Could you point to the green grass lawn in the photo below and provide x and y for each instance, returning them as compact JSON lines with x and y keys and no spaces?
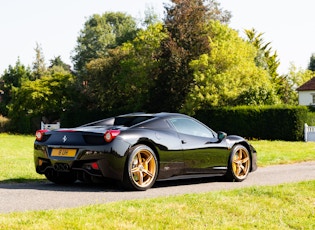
{"x":16,"y":154}
{"x":288,"y":206}
{"x":283,"y":152}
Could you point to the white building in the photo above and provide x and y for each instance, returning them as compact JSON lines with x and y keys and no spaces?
{"x":307,"y":93}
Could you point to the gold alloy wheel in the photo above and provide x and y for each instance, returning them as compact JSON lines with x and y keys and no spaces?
{"x":143,"y":168}
{"x":241,"y":163}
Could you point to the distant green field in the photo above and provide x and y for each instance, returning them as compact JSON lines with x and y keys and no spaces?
{"x":16,"y":154}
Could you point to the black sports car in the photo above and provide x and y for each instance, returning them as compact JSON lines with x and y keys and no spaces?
{"x":138,"y":149}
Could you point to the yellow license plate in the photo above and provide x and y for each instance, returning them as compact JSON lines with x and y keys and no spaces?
{"x":63,"y":152}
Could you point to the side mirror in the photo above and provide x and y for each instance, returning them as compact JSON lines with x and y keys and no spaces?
{"x":221,"y":135}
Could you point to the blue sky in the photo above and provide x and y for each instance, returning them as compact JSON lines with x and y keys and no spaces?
{"x":55,"y":25}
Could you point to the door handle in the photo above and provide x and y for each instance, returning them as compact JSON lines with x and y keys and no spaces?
{"x":184,"y":142}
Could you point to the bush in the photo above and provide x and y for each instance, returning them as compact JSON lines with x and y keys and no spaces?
{"x":311,"y":116}
{"x":20,"y":125}
{"x":266,"y":122}
{"x":4,"y":122}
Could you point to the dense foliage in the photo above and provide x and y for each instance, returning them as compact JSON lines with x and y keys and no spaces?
{"x":100,"y":34}
{"x":228,"y":75}
{"x":186,"y":40}
{"x":264,"y":122}
{"x":188,"y":61}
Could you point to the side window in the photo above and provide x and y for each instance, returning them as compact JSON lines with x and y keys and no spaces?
{"x":190,"y":127}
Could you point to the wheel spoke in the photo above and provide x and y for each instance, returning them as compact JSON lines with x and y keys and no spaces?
{"x":245,"y":160}
{"x":241,"y":169}
{"x":141,"y":173}
{"x":140,"y":178}
{"x":139,"y":158}
{"x":240,"y":154}
{"x":135,"y":170}
{"x":238,"y":170}
{"x":148,"y":173}
{"x":147,"y":161}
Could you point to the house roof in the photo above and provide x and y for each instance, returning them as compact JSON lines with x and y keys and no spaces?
{"x":309,"y":85}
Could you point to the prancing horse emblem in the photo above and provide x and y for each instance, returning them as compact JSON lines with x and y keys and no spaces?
{"x":64,"y":138}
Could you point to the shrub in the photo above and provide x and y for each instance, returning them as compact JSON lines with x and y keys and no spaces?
{"x":4,"y":122}
{"x":259,"y":122}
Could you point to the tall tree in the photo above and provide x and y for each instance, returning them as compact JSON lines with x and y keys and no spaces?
{"x":267,"y":59}
{"x":228,"y":75}
{"x":264,"y":58}
{"x":100,"y":34}
{"x":215,"y":12}
{"x":39,"y":66}
{"x":121,"y":82}
{"x":311,"y":65}
{"x":150,"y":17}
{"x":59,"y":64}
{"x":51,"y":94}
{"x":185,"y":24}
{"x":13,"y":77}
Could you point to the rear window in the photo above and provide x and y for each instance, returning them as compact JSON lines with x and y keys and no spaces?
{"x":129,"y":121}
{"x":126,"y":121}
{"x":105,"y":122}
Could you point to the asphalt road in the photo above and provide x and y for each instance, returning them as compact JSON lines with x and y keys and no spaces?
{"x":46,"y":195}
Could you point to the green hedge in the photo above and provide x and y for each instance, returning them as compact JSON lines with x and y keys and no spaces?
{"x":266,"y":122}
{"x":78,"y":117}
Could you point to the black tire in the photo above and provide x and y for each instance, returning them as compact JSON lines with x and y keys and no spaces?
{"x":141,"y":168}
{"x":239,"y":164}
{"x":60,"y":177}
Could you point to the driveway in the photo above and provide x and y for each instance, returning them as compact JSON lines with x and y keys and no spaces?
{"x":46,"y":195}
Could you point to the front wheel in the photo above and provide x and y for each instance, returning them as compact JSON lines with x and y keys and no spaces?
{"x":141,"y":168}
{"x":239,"y":164}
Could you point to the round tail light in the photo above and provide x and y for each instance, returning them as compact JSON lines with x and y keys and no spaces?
{"x":111,"y":135}
{"x":40,"y":134}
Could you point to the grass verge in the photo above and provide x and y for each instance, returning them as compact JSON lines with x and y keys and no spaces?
{"x":289,"y":206}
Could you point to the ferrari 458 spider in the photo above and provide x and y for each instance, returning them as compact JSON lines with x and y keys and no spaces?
{"x":138,"y":149}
